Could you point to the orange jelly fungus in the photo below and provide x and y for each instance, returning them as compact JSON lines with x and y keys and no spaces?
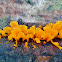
{"x":48,"y":33}
{"x":0,"y":36}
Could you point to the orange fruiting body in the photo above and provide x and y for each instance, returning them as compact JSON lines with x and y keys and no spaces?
{"x":48,"y":33}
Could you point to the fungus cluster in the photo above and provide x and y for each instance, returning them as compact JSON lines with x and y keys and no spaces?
{"x":21,"y":33}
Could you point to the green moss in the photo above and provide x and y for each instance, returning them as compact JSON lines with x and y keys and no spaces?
{"x":29,"y":2}
{"x":50,"y":7}
{"x":61,"y":7}
{"x":4,"y":22}
{"x":56,"y":5}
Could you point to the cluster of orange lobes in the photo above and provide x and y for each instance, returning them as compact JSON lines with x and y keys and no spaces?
{"x":48,"y":33}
